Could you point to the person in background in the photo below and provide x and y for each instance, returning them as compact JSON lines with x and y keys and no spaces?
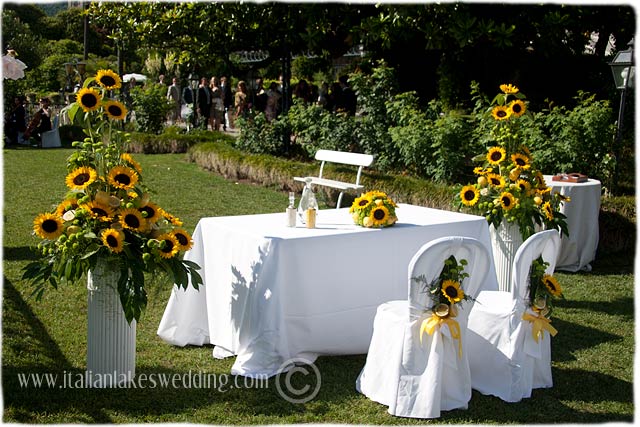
{"x":173,"y":96}
{"x":204,"y":102}
{"x":241,"y":100}
{"x":227,"y":100}
{"x":348,"y":98}
{"x":217,"y":105}
{"x":16,"y":122}
{"x":40,"y":123}
{"x":273,"y":99}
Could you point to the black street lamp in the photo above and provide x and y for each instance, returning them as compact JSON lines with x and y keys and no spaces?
{"x":623,"y":75}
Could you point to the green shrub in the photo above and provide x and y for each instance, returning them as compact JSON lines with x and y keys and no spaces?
{"x":151,"y":107}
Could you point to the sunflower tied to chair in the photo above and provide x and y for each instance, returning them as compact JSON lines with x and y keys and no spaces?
{"x":374,"y":209}
{"x":108,"y":212}
{"x":508,"y":184}
{"x":543,"y":290}
{"x":446,"y":293}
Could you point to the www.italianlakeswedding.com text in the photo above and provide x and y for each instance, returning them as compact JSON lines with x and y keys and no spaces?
{"x":186,"y":380}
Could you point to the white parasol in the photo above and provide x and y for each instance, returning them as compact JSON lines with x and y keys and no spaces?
{"x":12,"y":68}
{"x":136,"y":76}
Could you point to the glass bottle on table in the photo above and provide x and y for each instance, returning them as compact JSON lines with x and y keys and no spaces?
{"x":307,"y":201}
{"x":291,"y":210}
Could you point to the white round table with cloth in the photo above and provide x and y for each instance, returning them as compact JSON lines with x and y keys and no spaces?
{"x":579,"y":248}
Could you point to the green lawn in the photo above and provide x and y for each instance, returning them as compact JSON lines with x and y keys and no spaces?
{"x":592,"y":353}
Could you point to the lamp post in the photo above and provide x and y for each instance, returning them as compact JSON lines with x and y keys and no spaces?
{"x":623,"y":75}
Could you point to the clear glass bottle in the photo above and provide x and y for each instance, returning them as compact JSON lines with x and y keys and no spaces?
{"x":308,"y":200}
{"x":291,"y":210}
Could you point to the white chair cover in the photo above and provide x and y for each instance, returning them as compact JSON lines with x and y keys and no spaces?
{"x":507,"y":362}
{"x":421,"y":379}
{"x":51,"y":138}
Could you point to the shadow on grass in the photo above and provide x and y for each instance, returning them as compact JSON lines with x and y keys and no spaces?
{"x":20,"y":253}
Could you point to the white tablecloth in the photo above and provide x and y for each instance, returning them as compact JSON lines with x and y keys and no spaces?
{"x":274,"y":293}
{"x":579,"y":249}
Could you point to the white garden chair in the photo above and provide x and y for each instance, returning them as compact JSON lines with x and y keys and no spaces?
{"x":507,"y":361}
{"x":420,"y":379}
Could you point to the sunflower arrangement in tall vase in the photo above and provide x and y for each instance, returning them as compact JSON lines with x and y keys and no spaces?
{"x":108,"y":213}
{"x":509,"y":187}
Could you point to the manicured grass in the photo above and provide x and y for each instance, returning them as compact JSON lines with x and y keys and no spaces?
{"x":592,"y":353}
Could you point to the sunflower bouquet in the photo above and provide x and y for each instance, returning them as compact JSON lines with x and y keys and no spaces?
{"x":374,"y":209}
{"x":108,"y":212}
{"x":509,"y":187}
{"x":543,"y":288}
{"x":446,"y":292}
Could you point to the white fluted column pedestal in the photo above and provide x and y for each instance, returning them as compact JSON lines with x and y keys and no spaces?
{"x":505,"y":242}
{"x":111,"y":340}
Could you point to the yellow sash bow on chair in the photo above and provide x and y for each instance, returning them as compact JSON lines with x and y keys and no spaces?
{"x":539,"y":325}
{"x":429,"y":326}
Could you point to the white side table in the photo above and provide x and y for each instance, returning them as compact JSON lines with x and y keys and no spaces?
{"x":579,"y":248}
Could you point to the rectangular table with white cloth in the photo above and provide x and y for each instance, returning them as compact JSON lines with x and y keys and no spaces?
{"x":274,"y":293}
{"x":579,"y":248}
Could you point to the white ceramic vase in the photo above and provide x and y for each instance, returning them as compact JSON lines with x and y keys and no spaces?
{"x":111,"y":340}
{"x":505,"y":241}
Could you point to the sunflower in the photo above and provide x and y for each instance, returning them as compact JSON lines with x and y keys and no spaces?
{"x":48,"y":226}
{"x":509,"y":88}
{"x":379,"y":216}
{"x":132,"y":219}
{"x":522,"y":161}
{"x":496,"y":155}
{"x":151,"y":212}
{"x":108,"y":79}
{"x":88,"y":99}
{"x":469,"y":195}
{"x":496,"y":180}
{"x":113,"y":239}
{"x":81,"y":178}
{"x":507,"y":201}
{"x":128,"y":158}
{"x":169,"y":245}
{"x":115,"y":110}
{"x":98,"y":210}
{"x":361,"y":203}
{"x":517,"y":108}
{"x":548,"y":210}
{"x":65,"y":206}
{"x":123,"y":177}
{"x":552,"y":285}
{"x":452,"y":291}
{"x":524,"y":185}
{"x":174,"y":220}
{"x":183,"y":238}
{"x":500,"y":112}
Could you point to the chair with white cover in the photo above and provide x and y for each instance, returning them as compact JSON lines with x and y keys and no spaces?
{"x":507,"y":361}
{"x":419,"y":379}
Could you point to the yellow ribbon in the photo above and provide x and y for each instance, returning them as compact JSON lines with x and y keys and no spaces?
{"x":539,"y":325}
{"x":429,"y":326}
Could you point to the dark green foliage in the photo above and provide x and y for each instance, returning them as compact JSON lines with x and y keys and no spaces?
{"x":151,"y":107}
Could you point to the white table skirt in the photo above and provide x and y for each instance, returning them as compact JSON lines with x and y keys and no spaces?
{"x":273,"y":293}
{"x":579,"y":249}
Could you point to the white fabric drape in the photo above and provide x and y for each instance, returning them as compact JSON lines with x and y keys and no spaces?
{"x":417,"y":378}
{"x":12,"y":67}
{"x":273,"y":292}
{"x":508,"y":362}
{"x":579,"y":248}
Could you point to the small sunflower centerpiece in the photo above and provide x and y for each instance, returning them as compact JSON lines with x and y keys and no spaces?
{"x":374,"y":209}
{"x":446,"y":293}
{"x":543,"y":290}
{"x":108,"y":212}
{"x":509,"y":186}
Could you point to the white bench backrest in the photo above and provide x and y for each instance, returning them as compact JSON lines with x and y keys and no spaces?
{"x":355,"y":159}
